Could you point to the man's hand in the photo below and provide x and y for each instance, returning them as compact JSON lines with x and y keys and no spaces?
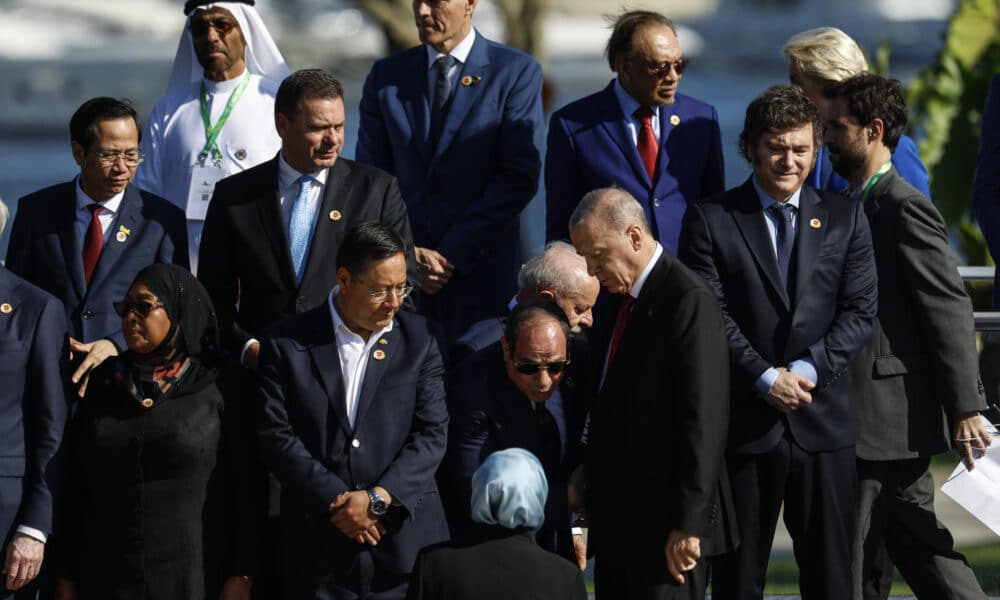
{"x":790,"y":391}
{"x":236,"y":588}
{"x":435,"y":269}
{"x":580,"y":550}
{"x":251,"y":356}
{"x":971,"y":437}
{"x":24,"y":559}
{"x":95,"y":353}
{"x":349,"y":514}
{"x":683,"y":551}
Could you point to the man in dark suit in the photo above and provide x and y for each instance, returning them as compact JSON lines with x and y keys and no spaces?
{"x":655,"y":495}
{"x":272,"y":231}
{"x":519,"y":393}
{"x":638,"y":134}
{"x":33,"y":415}
{"x":353,"y":423}
{"x":792,"y":269}
{"x":917,"y":375}
{"x":83,"y":241}
{"x":986,"y":186}
{"x":459,"y":121}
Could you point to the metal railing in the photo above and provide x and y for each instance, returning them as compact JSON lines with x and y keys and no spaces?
{"x":985,"y":320}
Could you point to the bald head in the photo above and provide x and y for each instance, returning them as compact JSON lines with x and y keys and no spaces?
{"x":560,"y":274}
{"x":609,"y":229}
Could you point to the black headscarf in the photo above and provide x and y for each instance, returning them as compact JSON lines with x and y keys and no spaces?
{"x":190,"y":350}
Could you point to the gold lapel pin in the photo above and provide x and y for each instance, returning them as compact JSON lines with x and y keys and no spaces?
{"x":383,"y":341}
{"x":6,"y":308}
{"x":147,"y":402}
{"x":675,"y":120}
{"x":120,"y":236}
{"x":814,"y":223}
{"x":241,"y":154}
{"x":378,"y":355}
{"x":335,"y":215}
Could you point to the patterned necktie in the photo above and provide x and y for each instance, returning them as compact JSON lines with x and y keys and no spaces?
{"x":646,"y":141}
{"x":93,"y":242}
{"x":300,"y":226}
{"x":624,"y":309}
{"x":442,"y":92}
{"x":785,"y":238}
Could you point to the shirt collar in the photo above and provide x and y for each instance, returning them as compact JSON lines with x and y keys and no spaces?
{"x":340,"y":327}
{"x":459,"y":52}
{"x":225,"y":86}
{"x":628,"y":103}
{"x":287,"y":176}
{"x":641,"y":280}
{"x":766,"y":200}
{"x":83,"y":200}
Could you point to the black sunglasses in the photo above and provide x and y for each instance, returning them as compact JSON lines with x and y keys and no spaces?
{"x":139,"y":308}
{"x":200,"y":27}
{"x":554,"y":368}
{"x":660,"y":70}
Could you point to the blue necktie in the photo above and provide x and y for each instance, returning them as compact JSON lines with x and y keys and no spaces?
{"x":785,"y":238}
{"x":300,"y":227}
{"x":442,"y":92}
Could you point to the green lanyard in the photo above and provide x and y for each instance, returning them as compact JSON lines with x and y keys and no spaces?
{"x":212,"y":133}
{"x":874,"y":179}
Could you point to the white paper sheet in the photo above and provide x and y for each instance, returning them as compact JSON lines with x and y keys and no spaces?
{"x":978,"y":491}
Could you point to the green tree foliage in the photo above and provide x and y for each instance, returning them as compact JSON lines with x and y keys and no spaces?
{"x":946,"y":102}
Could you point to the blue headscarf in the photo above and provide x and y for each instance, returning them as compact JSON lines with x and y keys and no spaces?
{"x":509,"y":489}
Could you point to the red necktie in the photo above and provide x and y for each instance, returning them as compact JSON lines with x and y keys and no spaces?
{"x":620,"y":322}
{"x":646,"y":140}
{"x":93,"y":242}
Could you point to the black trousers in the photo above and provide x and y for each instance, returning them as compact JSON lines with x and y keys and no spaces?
{"x":896,"y":520}
{"x":621,"y":579}
{"x":818,"y":491}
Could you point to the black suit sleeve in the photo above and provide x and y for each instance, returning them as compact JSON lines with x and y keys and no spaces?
{"x":174,"y":247}
{"x":856,"y":306}
{"x":217,"y":270}
{"x":242,"y":504}
{"x":18,"y":259}
{"x":701,"y":422}
{"x":930,"y":273}
{"x":697,"y":250}
{"x":395,"y":217}
{"x":469,"y":441}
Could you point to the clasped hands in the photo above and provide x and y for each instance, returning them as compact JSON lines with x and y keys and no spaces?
{"x":435,"y":270}
{"x":683,"y":551}
{"x":790,"y":391}
{"x":349,"y":514}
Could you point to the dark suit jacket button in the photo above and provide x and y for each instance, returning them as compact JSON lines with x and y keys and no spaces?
{"x":300,"y":300}
{"x":87,"y":314}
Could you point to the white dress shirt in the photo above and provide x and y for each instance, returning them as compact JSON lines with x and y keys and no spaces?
{"x":629,"y":106}
{"x":107,"y":214}
{"x":460,"y":53}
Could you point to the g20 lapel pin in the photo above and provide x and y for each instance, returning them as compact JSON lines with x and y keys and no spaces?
{"x":815,"y":223}
{"x":6,"y":308}
{"x":468,"y":80}
{"x":378,"y":355}
{"x":675,"y":120}
{"x":335,"y":215}
{"x":123,"y":233}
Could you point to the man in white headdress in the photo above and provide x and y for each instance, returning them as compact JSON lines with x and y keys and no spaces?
{"x":208,"y":124}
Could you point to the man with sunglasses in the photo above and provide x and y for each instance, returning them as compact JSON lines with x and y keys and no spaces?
{"x":208,"y":125}
{"x":83,"y":241}
{"x":638,"y":133}
{"x":518,"y":393}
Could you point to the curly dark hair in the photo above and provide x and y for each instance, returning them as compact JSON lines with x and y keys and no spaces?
{"x":779,"y":108}
{"x":871,"y":97}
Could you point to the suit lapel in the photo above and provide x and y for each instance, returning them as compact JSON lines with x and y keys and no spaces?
{"x":616,"y":128}
{"x":810,"y":231}
{"x":749,"y":219}
{"x":273,"y":222}
{"x":634,"y":338}
{"x":415,"y":93}
{"x":328,"y":232}
{"x":376,"y":369}
{"x":129,"y":222}
{"x":70,"y":240}
{"x":326,"y":362}
{"x":464,"y":97}
{"x":667,"y":111}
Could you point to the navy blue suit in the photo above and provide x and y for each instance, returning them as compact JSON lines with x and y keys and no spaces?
{"x":465,"y":193}
{"x":46,"y":249}
{"x":986,"y":186}
{"x":33,"y":408}
{"x":398,"y":441}
{"x":826,"y":313}
{"x":589,"y":147}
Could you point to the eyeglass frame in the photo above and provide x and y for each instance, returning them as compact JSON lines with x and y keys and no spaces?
{"x":534,"y":368}
{"x":200,"y":27}
{"x":660,"y":70}
{"x":380,"y":296}
{"x":124,"y":306}
{"x":109,"y":158}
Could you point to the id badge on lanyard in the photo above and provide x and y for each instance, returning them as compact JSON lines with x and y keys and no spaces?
{"x":203,"y":180}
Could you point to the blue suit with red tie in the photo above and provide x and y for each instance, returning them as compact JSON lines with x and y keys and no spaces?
{"x":590,"y":147}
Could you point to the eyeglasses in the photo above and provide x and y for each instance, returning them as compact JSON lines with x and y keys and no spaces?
{"x":201,"y":26}
{"x":555,"y":368}
{"x":660,"y":70}
{"x":132,"y":158}
{"x":379,"y":296}
{"x":139,"y":308}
